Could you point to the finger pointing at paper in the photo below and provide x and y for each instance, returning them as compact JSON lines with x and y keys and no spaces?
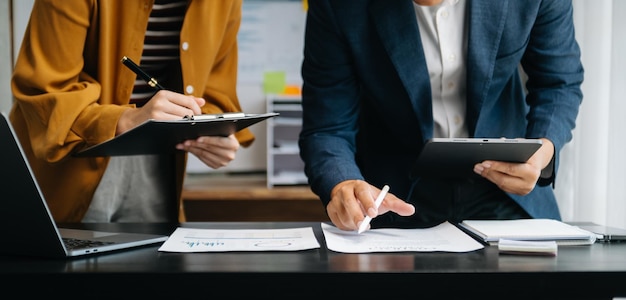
{"x":352,"y":200}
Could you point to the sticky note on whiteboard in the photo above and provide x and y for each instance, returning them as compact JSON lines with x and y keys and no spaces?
{"x":274,"y":82}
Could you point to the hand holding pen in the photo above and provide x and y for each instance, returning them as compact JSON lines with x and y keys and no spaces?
{"x":379,"y":200}
{"x":164,"y":105}
{"x":151,"y":81}
{"x":181,"y":101}
{"x":351,"y":198}
{"x":214,"y":151}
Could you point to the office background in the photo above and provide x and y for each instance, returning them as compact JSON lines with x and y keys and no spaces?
{"x":591,"y":183}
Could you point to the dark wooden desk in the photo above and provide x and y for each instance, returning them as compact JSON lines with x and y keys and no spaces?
{"x":578,"y":272}
{"x":246,"y":197}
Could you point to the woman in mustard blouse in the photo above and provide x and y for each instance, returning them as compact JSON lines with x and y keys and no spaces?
{"x":71,"y":91}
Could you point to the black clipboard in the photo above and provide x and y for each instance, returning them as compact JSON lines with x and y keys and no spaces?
{"x":456,"y":157}
{"x":160,"y":137}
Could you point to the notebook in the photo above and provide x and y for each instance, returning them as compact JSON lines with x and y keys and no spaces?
{"x":27,"y":227}
{"x":491,"y":231}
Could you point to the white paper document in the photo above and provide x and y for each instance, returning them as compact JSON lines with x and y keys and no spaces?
{"x":444,"y":238}
{"x":223,"y":240}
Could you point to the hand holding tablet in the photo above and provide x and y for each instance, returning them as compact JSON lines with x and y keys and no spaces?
{"x":455,"y":157}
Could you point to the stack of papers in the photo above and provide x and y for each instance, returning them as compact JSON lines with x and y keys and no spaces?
{"x":491,"y":231}
{"x":548,"y":248}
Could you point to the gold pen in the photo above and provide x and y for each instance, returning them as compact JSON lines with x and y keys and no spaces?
{"x":141,"y":73}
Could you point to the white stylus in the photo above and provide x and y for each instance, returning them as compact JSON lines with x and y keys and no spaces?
{"x":379,"y":200}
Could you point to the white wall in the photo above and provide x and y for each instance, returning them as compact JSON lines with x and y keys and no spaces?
{"x":13,"y":18}
{"x":6,"y":61}
{"x":590,"y":185}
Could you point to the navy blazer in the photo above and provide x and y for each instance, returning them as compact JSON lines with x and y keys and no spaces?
{"x":367,"y":99}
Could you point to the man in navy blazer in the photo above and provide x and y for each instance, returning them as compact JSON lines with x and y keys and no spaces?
{"x":383,"y":76}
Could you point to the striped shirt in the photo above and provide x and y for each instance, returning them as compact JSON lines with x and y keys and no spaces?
{"x":161,"y":44}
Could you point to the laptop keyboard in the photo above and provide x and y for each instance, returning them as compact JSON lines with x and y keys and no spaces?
{"x":71,"y":243}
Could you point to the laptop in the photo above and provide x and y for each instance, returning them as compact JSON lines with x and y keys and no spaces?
{"x":27,"y":227}
{"x":603,"y":233}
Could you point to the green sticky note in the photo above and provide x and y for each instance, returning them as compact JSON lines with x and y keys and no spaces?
{"x":274,"y":82}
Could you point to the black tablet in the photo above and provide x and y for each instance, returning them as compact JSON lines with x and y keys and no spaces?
{"x":456,"y":157}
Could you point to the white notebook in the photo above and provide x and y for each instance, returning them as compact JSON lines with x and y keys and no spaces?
{"x":490,"y":231}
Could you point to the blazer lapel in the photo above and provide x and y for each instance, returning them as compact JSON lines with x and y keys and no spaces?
{"x":396,"y":23}
{"x":486,"y":21}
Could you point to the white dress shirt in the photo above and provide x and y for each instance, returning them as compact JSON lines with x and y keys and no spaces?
{"x":444,"y":37}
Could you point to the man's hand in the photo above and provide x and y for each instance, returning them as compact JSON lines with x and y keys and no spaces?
{"x":517,"y":178}
{"x":352,"y":199}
